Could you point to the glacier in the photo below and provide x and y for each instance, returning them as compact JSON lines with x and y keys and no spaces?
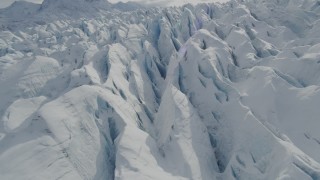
{"x":93,"y":90}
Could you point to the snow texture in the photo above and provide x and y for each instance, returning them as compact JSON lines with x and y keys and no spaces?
{"x":93,"y":90}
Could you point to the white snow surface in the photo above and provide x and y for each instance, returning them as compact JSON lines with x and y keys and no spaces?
{"x":97,"y":91}
{"x":6,"y":3}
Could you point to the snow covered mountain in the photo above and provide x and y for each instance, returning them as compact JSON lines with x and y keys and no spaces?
{"x":92,"y":90}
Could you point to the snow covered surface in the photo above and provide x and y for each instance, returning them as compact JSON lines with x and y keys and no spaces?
{"x":168,"y":3}
{"x":94,"y":90}
{"x":6,"y":3}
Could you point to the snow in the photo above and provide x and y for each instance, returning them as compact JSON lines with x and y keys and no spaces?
{"x":19,"y":111}
{"x":123,"y":91}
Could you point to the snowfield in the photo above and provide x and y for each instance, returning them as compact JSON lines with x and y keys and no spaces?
{"x":96,"y":91}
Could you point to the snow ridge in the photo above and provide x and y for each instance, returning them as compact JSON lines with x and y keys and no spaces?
{"x":212,"y":91}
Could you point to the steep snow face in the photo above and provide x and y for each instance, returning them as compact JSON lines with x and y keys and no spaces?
{"x":213,"y":91}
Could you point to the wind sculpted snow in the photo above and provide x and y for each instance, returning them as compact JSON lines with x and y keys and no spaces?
{"x":92,"y":90}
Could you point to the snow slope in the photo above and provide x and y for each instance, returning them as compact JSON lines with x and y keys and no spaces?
{"x":93,"y":90}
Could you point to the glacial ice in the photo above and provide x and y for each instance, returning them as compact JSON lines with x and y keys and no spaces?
{"x":94,"y":90}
